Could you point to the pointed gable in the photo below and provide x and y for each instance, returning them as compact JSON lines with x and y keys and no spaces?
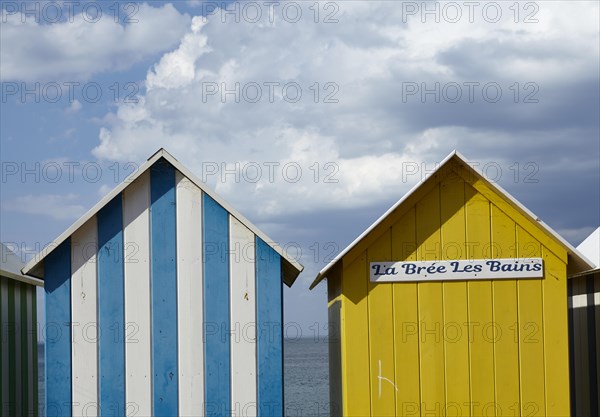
{"x":35,"y":268}
{"x":450,"y":338}
{"x":455,"y":172}
{"x":173,"y":301}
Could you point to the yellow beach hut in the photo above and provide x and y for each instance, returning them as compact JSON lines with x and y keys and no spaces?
{"x":453,"y":303}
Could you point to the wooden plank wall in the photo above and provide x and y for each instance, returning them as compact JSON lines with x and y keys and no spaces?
{"x":162,"y":304}
{"x":473,"y":348}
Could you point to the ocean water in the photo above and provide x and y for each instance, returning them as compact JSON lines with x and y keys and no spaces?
{"x":306,"y":374}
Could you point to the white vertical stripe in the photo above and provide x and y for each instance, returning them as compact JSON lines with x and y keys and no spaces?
{"x":84,"y":246}
{"x":581,"y":300}
{"x":4,"y":329}
{"x":31,"y":339}
{"x":18,"y":350}
{"x":243,"y":319}
{"x":190,"y":297}
{"x":136,"y":238}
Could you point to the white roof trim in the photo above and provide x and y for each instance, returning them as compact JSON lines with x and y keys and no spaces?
{"x":498,"y":188}
{"x":10,"y":267}
{"x":28,"y":280}
{"x":161,"y":153}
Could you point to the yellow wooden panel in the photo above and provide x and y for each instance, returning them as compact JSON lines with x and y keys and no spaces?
{"x":406,"y":321}
{"x":480,"y":306}
{"x":456,"y":341}
{"x":516,"y":214}
{"x":387,"y":222}
{"x":430,"y":302}
{"x":531,"y":332}
{"x":355,"y":339}
{"x":381,"y":334}
{"x":506,"y":348}
{"x":556,"y":346}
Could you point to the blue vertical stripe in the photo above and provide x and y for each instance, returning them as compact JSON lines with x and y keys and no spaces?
{"x":269,"y":322}
{"x":216,"y":308}
{"x":111,"y":315}
{"x":163,"y":249}
{"x":57,"y":288}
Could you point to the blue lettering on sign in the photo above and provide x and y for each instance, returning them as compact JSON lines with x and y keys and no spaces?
{"x":456,"y":267}
{"x":410,"y":269}
{"x":497,"y":266}
{"x":386,"y":270}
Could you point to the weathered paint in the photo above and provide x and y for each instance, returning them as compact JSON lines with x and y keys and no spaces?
{"x":216,"y":308}
{"x":185,"y":285}
{"x":57,"y":287}
{"x":381,"y":346}
{"x":355,"y":340}
{"x":470,"y":348}
{"x":164,"y":289}
{"x":269,"y":325}
{"x":505,"y":313}
{"x":406,"y":320}
{"x":189,"y":290}
{"x":136,"y":236}
{"x":111,"y":314}
{"x":455,"y":294}
{"x":480,"y":296}
{"x":84,"y":330}
{"x":243,"y":320}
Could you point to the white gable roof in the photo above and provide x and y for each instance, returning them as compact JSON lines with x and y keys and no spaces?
{"x":35,"y":267}
{"x":577,"y":256}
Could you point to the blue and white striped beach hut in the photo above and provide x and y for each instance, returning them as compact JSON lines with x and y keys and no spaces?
{"x":161,"y":301}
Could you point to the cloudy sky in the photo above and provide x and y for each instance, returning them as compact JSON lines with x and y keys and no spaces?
{"x":311,"y":118}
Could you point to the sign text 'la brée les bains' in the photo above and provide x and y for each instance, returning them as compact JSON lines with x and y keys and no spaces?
{"x":456,"y":270}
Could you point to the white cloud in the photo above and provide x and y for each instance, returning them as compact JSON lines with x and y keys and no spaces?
{"x":56,"y":206}
{"x":177,"y":68}
{"x":371,"y":133}
{"x":36,"y":50}
{"x":104,"y":189}
{"x":74,"y":107}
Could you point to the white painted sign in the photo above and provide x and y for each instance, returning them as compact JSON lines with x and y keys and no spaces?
{"x":457,"y":270}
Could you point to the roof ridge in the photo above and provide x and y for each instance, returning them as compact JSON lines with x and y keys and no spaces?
{"x":495,"y":187}
{"x":32,"y":268}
